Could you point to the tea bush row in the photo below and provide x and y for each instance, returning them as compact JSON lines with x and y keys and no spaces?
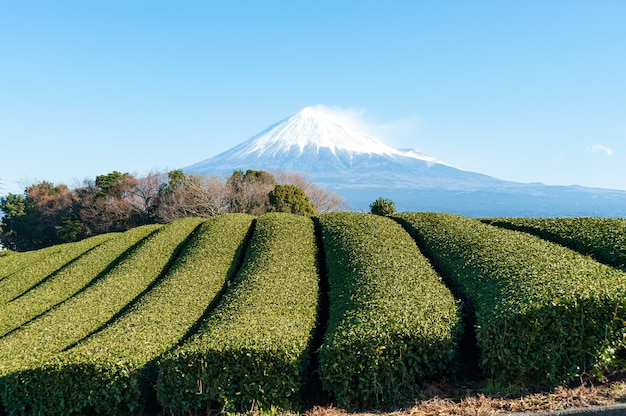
{"x":253,"y":350}
{"x":69,"y":280}
{"x":543,"y":313}
{"x":392,"y":321}
{"x":602,"y":238}
{"x":97,"y":333}
{"x":89,"y":310}
{"x":55,"y":258}
{"x":12,"y":261}
{"x":113,"y":371}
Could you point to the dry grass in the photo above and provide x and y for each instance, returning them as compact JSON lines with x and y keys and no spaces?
{"x":447,"y":399}
{"x":444,"y":400}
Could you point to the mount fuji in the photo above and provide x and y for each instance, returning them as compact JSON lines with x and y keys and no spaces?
{"x":332,"y":153}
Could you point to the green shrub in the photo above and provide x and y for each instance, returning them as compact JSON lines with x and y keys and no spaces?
{"x":291,"y":199}
{"x":55,"y":258}
{"x":543,"y":313}
{"x":66,"y":282}
{"x":111,"y":372}
{"x":392,"y":321}
{"x":602,"y":238}
{"x":383,"y":206}
{"x":91,"y":309}
{"x":253,"y":350}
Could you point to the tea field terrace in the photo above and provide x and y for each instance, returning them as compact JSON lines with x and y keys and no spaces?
{"x":238,"y":312}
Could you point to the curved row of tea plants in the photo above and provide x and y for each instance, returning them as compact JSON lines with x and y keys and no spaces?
{"x":543,"y":313}
{"x":113,"y":371}
{"x":392,"y":321}
{"x":12,"y":261}
{"x":253,"y":350}
{"x":602,"y":238}
{"x":86,"y":312}
{"x":69,"y":280}
{"x":40,"y":268}
{"x":189,"y":312}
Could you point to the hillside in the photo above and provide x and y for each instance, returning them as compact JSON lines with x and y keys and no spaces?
{"x":285,"y":312}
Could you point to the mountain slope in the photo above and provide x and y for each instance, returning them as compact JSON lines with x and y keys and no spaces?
{"x":314,"y":129}
{"x":339,"y":157}
{"x":314,"y":141}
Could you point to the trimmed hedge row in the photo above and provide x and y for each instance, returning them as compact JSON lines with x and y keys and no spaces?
{"x":110,"y":372}
{"x":34,"y":272}
{"x":13,"y":261}
{"x":392,"y":321}
{"x":253,"y":350}
{"x":602,"y":238}
{"x":543,"y":313}
{"x":69,"y":280}
{"x":89,"y":310}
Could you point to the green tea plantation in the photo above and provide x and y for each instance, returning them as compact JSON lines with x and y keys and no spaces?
{"x":239,"y":313}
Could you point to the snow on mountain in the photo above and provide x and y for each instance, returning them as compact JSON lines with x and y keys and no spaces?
{"x":334,"y":154}
{"x":314,"y":141}
{"x":329,"y":150}
{"x":319,"y":128}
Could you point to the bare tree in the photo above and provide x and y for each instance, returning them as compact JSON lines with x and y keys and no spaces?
{"x":248,"y":192}
{"x":191,"y":196}
{"x":107,"y":205}
{"x":144,"y":195}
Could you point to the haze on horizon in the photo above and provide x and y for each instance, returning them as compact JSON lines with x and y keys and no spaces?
{"x":529,"y":92}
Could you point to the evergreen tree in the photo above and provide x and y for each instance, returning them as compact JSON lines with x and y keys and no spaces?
{"x":383,"y":206}
{"x":37,"y":218}
{"x":290,"y":198}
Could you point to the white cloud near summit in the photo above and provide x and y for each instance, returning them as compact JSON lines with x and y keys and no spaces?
{"x":600,"y":148}
{"x":395,"y":132}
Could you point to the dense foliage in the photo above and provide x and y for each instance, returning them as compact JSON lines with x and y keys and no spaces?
{"x":113,"y":371}
{"x":69,"y":279}
{"x":602,"y":238}
{"x":252,"y":352}
{"x":40,"y":218}
{"x":91,"y":309}
{"x":14,"y":261}
{"x":290,"y":199}
{"x":34,"y":272}
{"x":392,"y":321}
{"x":383,"y":206}
{"x":48,"y":214}
{"x":237,"y":312}
{"x":543,"y":313}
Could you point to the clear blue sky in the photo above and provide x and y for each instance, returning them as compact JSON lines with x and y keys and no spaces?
{"x":531,"y":91}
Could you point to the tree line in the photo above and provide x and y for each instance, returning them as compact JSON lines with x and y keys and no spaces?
{"x":48,"y":214}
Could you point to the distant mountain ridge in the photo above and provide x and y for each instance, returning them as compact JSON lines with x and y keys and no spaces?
{"x":335,"y":155}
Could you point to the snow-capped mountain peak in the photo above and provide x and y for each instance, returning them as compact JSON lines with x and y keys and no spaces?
{"x":320,"y":128}
{"x":317,"y":141}
{"x":332,"y":150}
